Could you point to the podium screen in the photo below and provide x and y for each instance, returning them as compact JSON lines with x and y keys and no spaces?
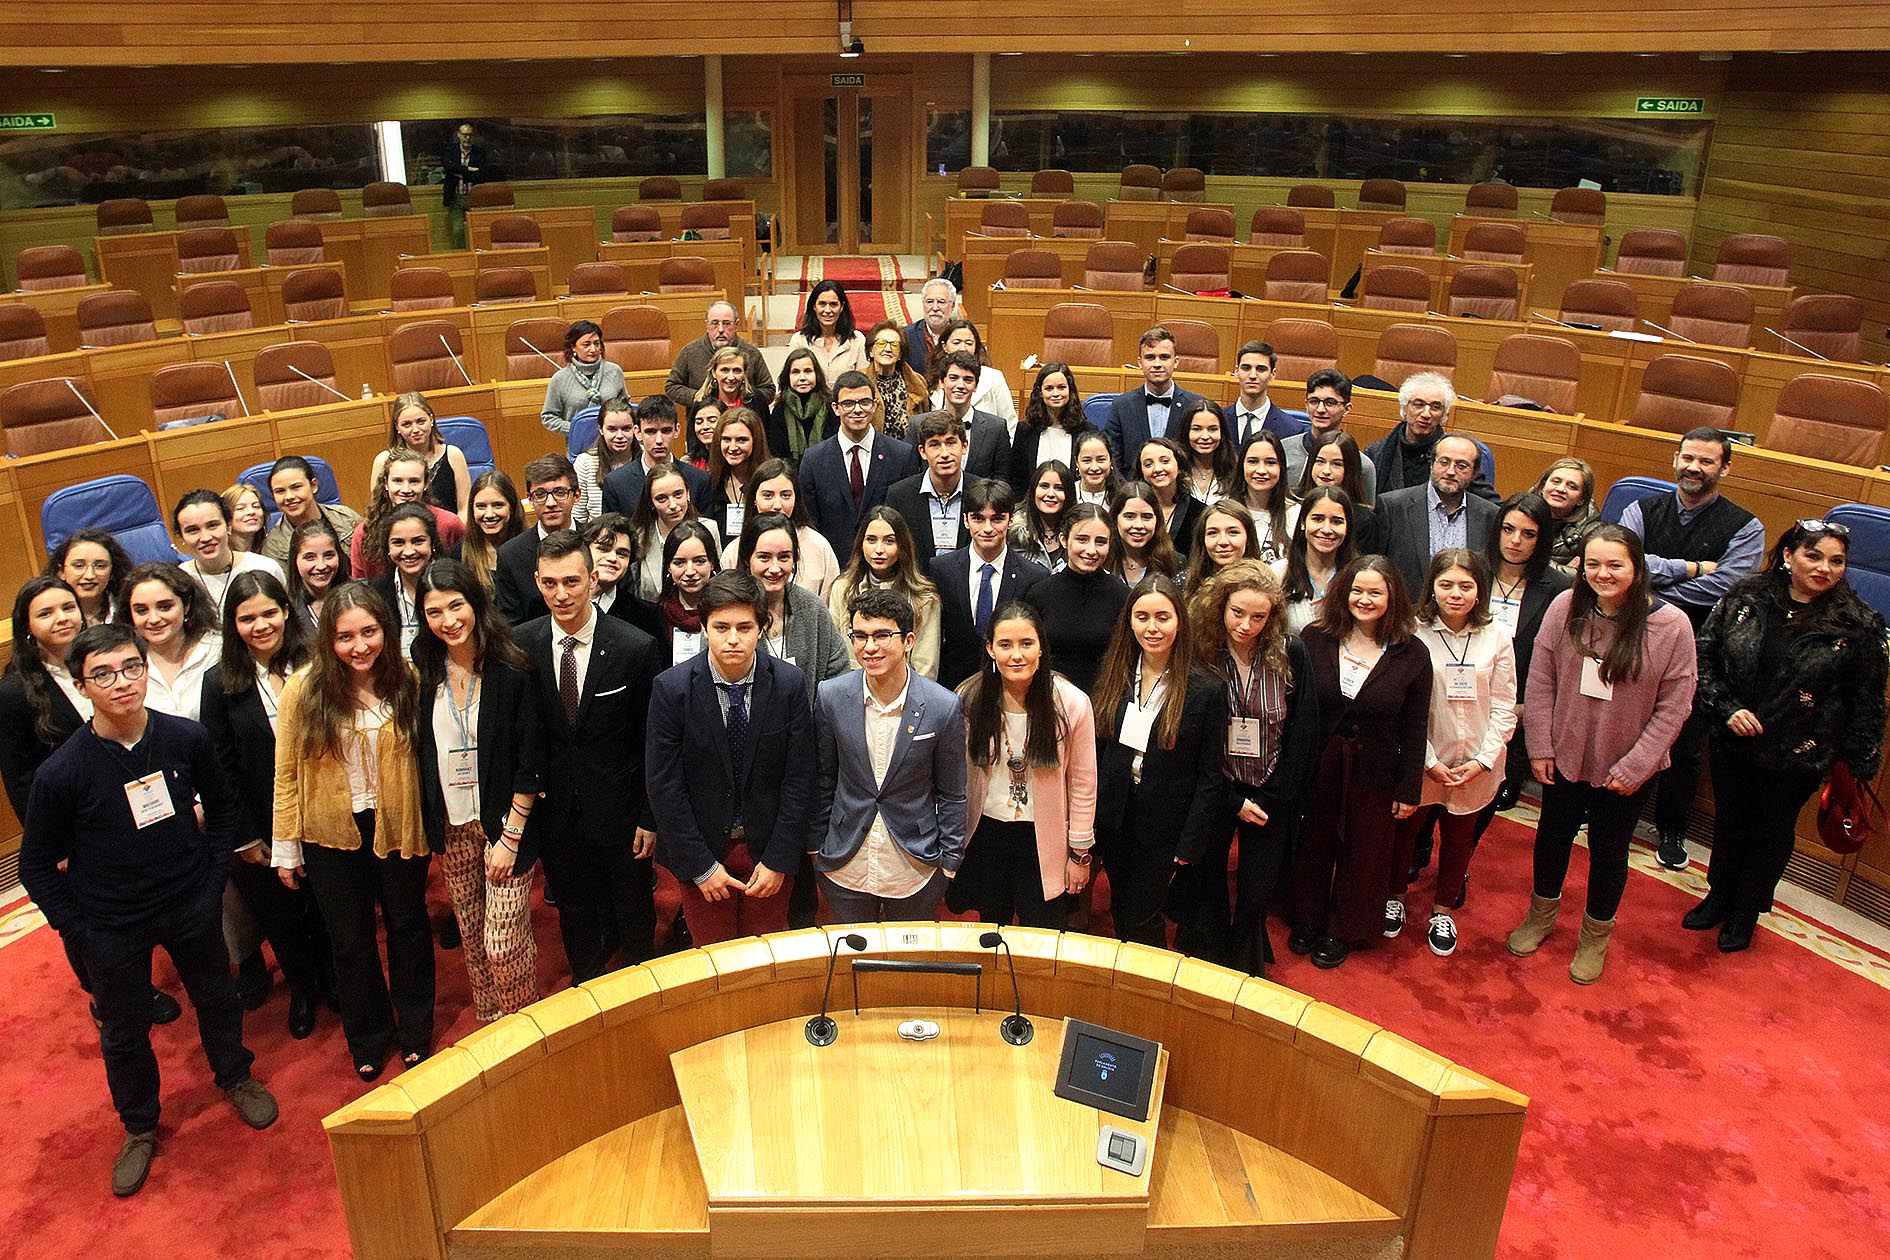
{"x":1108,"y":1070}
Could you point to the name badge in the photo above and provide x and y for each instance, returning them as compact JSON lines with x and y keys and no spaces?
{"x":1593,"y":685}
{"x":944,"y":536}
{"x":732,"y":517}
{"x":1508,"y":613}
{"x":1460,"y":682}
{"x":150,"y":800}
{"x":1352,"y":674}
{"x":1137,"y":724}
{"x":1243,"y":737}
{"x":462,"y":767}
{"x":683,"y":646}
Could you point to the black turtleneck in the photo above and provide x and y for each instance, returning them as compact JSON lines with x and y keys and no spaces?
{"x":1079,"y":613}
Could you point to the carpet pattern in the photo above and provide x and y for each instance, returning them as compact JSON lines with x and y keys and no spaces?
{"x":1709,"y":1106}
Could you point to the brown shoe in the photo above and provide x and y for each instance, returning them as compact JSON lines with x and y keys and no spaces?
{"x":255,"y":1104}
{"x":133,"y":1164}
{"x":1591,"y":950}
{"x":1535,"y":927}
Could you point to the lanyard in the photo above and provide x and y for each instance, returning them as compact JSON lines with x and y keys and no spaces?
{"x":1445,"y":636}
{"x":462,"y":717}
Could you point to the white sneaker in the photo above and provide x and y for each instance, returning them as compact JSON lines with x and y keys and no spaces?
{"x":1443,"y":934}
{"x":1394,"y":918}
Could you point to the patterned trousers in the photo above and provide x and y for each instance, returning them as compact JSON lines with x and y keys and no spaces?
{"x":495,"y":925}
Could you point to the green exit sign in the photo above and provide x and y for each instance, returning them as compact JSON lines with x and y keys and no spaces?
{"x":1670,"y":105}
{"x":849,"y":80}
{"x":26,"y":122}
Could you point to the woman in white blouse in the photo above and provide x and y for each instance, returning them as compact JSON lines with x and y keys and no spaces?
{"x":172,"y":615}
{"x":828,"y":330}
{"x":1473,"y":713}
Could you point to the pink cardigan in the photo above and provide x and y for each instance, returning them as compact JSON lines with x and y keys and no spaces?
{"x":1062,"y":797}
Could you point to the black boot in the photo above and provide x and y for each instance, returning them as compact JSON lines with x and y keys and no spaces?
{"x":449,"y":932}
{"x":1736,"y":933}
{"x":253,"y":981}
{"x":1710,"y":913}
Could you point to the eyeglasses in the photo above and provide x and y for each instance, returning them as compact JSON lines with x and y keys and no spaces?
{"x":1428,"y":408}
{"x":854,"y":404}
{"x":886,"y":343}
{"x":553,"y":494}
{"x":878,"y":638}
{"x":1836,"y":529}
{"x":130,"y":671}
{"x":1324,"y":404}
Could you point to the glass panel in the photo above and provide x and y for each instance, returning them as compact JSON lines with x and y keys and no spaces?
{"x":65,"y":169}
{"x":866,"y":169}
{"x":1656,"y":155}
{"x":748,"y":143}
{"x":948,"y":140}
{"x":830,"y":165}
{"x":566,"y":148}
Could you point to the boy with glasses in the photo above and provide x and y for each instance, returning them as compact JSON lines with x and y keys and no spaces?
{"x":1328,"y":403}
{"x":551,"y":485}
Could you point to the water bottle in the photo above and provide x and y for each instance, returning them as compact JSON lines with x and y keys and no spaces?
{"x":367,"y":391}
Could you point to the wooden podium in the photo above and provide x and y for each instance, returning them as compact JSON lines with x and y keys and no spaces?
{"x":675,"y":1109}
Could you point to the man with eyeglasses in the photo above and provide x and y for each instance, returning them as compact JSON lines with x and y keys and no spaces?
{"x":727,"y":770}
{"x":692,"y":363}
{"x":117,"y":862}
{"x":1698,"y":544}
{"x":1420,"y":521}
{"x":1403,"y":457}
{"x":1328,"y":403}
{"x":939,"y":298}
{"x":888,"y":828}
{"x":844,"y":475}
{"x":551,"y":485}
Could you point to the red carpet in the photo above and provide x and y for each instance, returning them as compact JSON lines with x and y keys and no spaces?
{"x":1709,"y":1107}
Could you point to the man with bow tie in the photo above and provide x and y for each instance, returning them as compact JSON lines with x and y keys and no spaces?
{"x":1154,"y":410}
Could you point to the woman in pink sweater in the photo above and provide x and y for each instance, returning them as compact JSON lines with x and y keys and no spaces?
{"x":1611,"y":684}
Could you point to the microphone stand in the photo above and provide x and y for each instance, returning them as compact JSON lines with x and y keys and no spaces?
{"x":821,"y":1029}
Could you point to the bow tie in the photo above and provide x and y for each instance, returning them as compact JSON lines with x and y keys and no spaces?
{"x":1165,"y":400}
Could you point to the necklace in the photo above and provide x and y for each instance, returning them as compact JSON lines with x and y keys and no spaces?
{"x":1014,"y":762}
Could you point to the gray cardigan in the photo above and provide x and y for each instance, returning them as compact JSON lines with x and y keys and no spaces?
{"x":565,"y":396}
{"x":813,"y":641}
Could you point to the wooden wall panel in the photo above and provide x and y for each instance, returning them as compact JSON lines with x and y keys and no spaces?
{"x":96,"y":32}
{"x":1800,"y":151}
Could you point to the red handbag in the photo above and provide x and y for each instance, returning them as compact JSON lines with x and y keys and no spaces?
{"x":1849,"y":813}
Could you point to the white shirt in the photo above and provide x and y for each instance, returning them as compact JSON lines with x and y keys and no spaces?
{"x":997,"y":578}
{"x":583,"y":654}
{"x":865,"y":447}
{"x":993,"y":395}
{"x":183,"y":696}
{"x":71,"y":688}
{"x":360,"y":754}
{"x":1247,"y":423}
{"x":947,"y":512}
{"x":1469,"y":730}
{"x":1056,"y":443}
{"x":462,"y":803}
{"x":217,"y":585}
{"x":817,"y":568}
{"x":997,"y":803}
{"x":882,"y":868}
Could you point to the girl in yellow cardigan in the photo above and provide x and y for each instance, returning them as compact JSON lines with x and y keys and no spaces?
{"x":347,"y":817}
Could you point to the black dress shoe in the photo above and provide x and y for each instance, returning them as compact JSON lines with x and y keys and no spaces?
{"x":301,"y":1014}
{"x":1736,"y":933}
{"x":164,"y":1008}
{"x":449,"y":932}
{"x":1303,"y":940}
{"x":1710,"y":913}
{"x":1508,"y":794}
{"x":253,"y":981}
{"x":1330,"y":953}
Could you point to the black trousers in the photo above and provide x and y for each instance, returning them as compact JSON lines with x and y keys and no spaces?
{"x":118,"y":963}
{"x":1610,"y":817}
{"x":1261,"y":866}
{"x":1755,"y":810}
{"x":1679,"y":783}
{"x":290,"y":920}
{"x":1001,"y":876}
{"x":606,"y":902}
{"x":1139,"y":875}
{"x":376,"y":1006}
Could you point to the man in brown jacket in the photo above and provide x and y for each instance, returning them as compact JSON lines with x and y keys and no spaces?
{"x":692,"y":365}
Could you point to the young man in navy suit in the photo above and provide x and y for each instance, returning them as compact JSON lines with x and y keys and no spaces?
{"x":933,"y":503}
{"x":1156,"y":409}
{"x":974,"y":580}
{"x":888,"y":828}
{"x":987,"y":441}
{"x":844,"y":475}
{"x":1253,"y":411}
{"x":596,"y":827}
{"x":727,"y":770}
{"x":656,"y":442}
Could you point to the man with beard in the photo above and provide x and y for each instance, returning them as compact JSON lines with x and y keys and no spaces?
{"x":1404,"y":456}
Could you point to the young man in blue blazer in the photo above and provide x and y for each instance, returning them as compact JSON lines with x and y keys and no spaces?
{"x":827,"y":469}
{"x":888,"y":828}
{"x":727,"y":771}
{"x":1156,"y":409}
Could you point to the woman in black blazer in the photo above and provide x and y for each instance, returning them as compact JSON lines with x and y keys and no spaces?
{"x":1161,"y":461}
{"x":1522,"y":583}
{"x":1159,"y":735}
{"x":413,"y":542}
{"x":481,"y":754}
{"x":1373,"y":680}
{"x":264,"y":641}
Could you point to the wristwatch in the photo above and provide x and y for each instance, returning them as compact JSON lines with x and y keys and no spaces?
{"x":1081,"y":858}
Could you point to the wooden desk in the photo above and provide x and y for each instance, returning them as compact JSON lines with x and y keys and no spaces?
{"x":557,"y":1130}
{"x":1148,"y":222}
{"x":1561,"y":252}
{"x":369,"y":250}
{"x":741,"y":226}
{"x":1248,"y":274}
{"x":147,"y":262}
{"x":963,"y":214}
{"x":1353,"y":232}
{"x":60,"y":309}
{"x":466,"y":264}
{"x":1653,"y":297}
{"x":641,"y":260}
{"x":567,"y":233}
{"x":985,"y":258}
{"x":262,"y":285}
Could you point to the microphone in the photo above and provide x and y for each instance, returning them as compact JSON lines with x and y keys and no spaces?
{"x":821,"y":1030}
{"x":456,"y":362}
{"x":1017,"y":1029}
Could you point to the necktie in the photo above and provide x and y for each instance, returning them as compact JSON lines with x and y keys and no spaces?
{"x":858,"y":480}
{"x":737,"y":728}
{"x":987,"y":595}
{"x":568,"y":680}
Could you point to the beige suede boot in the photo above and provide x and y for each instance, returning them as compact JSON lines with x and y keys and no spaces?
{"x":1591,"y":950}
{"x":1535,"y":928}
